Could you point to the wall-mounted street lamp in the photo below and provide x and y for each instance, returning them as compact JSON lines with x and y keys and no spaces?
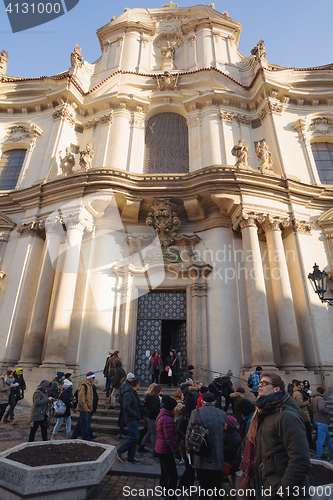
{"x":318,"y":280}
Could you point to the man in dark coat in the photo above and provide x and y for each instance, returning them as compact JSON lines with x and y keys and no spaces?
{"x":321,"y":417}
{"x":216,"y":388}
{"x":208,"y":469}
{"x":132,"y":415}
{"x":119,"y":375}
{"x":189,"y":373}
{"x":283,"y":460}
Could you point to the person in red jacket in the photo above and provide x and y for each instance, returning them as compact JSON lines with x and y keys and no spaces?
{"x":203,"y":389}
{"x":167,"y":444}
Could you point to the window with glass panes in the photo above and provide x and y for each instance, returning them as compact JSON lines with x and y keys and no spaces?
{"x":10,"y":167}
{"x":323,"y":155}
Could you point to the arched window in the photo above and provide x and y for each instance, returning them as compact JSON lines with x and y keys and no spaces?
{"x":10,"y":167}
{"x":323,"y":155}
{"x":166,"y":145}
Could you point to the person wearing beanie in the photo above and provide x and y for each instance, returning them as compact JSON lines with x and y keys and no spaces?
{"x":85,"y":405}
{"x":232,"y":445}
{"x":54,"y":390}
{"x":115,"y":386}
{"x":253,"y":381}
{"x":7,"y":383}
{"x":190,"y":372}
{"x":16,"y":394}
{"x":124,"y":383}
{"x":65,"y":397}
{"x":203,"y":389}
{"x":167,"y":443}
{"x":41,"y":402}
{"x":208,"y":469}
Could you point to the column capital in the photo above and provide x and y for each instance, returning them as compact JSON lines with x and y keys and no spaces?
{"x":54,"y":225}
{"x":248,"y":219}
{"x":31,"y":228}
{"x":273,"y":223}
{"x":78,"y":219}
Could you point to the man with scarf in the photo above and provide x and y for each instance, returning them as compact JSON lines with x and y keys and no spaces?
{"x":277,"y":431}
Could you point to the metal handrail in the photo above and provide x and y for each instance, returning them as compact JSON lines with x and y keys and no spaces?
{"x":220,"y":374}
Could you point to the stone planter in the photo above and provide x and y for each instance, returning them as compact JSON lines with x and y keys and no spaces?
{"x":72,"y":481}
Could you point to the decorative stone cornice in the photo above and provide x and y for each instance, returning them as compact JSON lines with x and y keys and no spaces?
{"x":66,"y":112}
{"x":247,"y":219}
{"x":275,"y":106}
{"x":273,"y":223}
{"x":106,"y":119}
{"x":164,"y":220}
{"x":245,"y":120}
{"x":78,"y":219}
{"x":32,"y":228}
{"x":226,"y":116}
{"x":299,"y":125}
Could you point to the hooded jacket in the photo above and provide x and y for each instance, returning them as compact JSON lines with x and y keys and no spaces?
{"x":318,"y":407}
{"x":41,"y":402}
{"x":85,"y":400}
{"x":4,"y":391}
{"x":282,"y":449}
{"x":167,"y":440}
{"x":304,"y":405}
{"x":132,"y":405}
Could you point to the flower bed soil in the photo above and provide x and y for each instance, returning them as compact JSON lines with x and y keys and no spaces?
{"x":53,"y":454}
{"x":320,"y":475}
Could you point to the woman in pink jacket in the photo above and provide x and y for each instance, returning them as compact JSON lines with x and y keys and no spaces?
{"x":167,"y":444}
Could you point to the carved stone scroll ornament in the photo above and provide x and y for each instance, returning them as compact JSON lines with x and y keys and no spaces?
{"x":33,"y":228}
{"x":67,"y":112}
{"x":241,"y":153}
{"x":264,"y":156}
{"x":86,"y":157}
{"x":167,"y":81}
{"x":76,"y":57}
{"x":321,"y":126}
{"x":3,"y":62}
{"x":164,"y":220}
{"x":67,"y":163}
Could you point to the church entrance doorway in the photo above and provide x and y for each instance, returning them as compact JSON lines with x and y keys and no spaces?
{"x":161,"y":325}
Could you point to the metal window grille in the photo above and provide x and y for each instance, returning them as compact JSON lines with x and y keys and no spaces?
{"x":166,"y":144}
{"x":323,"y":155}
{"x":10,"y":167}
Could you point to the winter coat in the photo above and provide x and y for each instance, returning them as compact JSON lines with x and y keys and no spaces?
{"x":192,"y":397}
{"x":213,"y":419}
{"x":19,"y":390}
{"x":179,"y":409}
{"x":176,"y":367}
{"x":41,"y":402}
{"x":304,"y":405}
{"x":95,"y":398}
{"x":227,"y":387}
{"x":216,"y":390}
{"x":188,"y":375}
{"x":159,"y":367}
{"x":318,"y":407}
{"x":184,"y":387}
{"x":282,"y":449}
{"x":131,"y":405}
{"x":85,"y":399}
{"x":199,"y":401}
{"x":124,"y":386}
{"x":54,"y":390}
{"x":110,"y":368}
{"x":232,"y":448}
{"x":152,"y":405}
{"x":167,"y":440}
{"x":119,"y":375}
{"x":65,"y":396}
{"x":4,"y":391}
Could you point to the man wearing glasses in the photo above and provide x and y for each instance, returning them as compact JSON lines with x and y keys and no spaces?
{"x":283,"y":460}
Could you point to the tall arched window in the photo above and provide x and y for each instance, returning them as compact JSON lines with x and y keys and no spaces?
{"x":10,"y":167}
{"x":166,"y":144}
{"x":323,"y":155}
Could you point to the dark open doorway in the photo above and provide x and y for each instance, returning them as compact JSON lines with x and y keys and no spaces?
{"x":174,"y":337}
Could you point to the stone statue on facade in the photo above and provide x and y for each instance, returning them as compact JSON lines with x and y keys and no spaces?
{"x":259,"y":50}
{"x":264,"y":156}
{"x":241,"y":153}
{"x":164,"y":220}
{"x":168,"y":53}
{"x":67,"y":163}
{"x":86,"y":157}
{"x":3,"y":62}
{"x":167,"y":81}
{"x":76,"y":56}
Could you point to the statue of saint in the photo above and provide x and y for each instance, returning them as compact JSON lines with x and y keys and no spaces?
{"x":76,"y":56}
{"x":264,"y":156}
{"x":3,"y":62}
{"x":241,"y":153}
{"x":169,"y":55}
{"x":67,"y":163}
{"x":86,"y":157}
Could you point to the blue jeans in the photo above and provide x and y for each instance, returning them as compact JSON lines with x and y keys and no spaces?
{"x":59,"y":422}
{"x":82,"y":427}
{"x":151,"y":433}
{"x":130,"y":443}
{"x":323,"y":437}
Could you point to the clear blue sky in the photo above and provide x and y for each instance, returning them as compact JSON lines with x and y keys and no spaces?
{"x":296,"y":33}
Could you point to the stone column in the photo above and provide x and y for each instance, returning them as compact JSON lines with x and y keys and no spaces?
{"x":211,"y":136}
{"x":31,"y":354}
{"x":137,"y":142}
{"x":283,"y":299}
{"x":57,"y":338}
{"x":119,"y":140}
{"x":260,"y":331}
{"x":194,"y":139}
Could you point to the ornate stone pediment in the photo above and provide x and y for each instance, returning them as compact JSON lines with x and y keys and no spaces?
{"x":321,"y":126}
{"x":17,"y":134}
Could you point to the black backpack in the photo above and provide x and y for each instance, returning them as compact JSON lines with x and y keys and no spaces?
{"x":199,"y":442}
{"x":76,"y":395}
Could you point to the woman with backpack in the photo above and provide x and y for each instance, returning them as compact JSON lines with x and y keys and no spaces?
{"x":167,"y":444}
{"x":41,"y":401}
{"x":16,"y":394}
{"x":65,"y":397}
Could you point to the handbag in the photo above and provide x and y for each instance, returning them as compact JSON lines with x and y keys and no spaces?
{"x":167,"y":368}
{"x":246,"y":484}
{"x":227,"y":467}
{"x":59,"y":408}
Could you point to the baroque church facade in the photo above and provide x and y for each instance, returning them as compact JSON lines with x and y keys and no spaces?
{"x":174,"y":193}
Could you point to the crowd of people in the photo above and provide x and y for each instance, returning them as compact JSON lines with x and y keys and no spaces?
{"x":268,"y":437}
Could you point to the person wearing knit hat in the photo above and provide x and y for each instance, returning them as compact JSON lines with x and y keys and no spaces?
{"x":85,"y":405}
{"x":189,"y":373}
{"x":203,"y":389}
{"x":54,"y":390}
{"x":208,"y":469}
{"x":232,"y":444}
{"x":232,"y":421}
{"x":16,"y":394}
{"x":167,"y":443}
